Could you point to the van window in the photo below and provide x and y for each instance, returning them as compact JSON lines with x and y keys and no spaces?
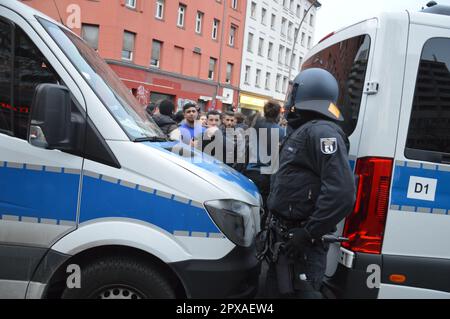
{"x":106,"y":84}
{"x":347,"y":61}
{"x":23,"y":67}
{"x":429,"y":128}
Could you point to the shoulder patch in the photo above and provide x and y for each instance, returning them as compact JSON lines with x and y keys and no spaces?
{"x":328,"y":145}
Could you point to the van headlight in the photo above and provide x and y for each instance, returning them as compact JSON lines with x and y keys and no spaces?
{"x":237,"y":220}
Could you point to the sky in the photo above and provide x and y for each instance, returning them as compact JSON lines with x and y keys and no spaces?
{"x":336,"y":14}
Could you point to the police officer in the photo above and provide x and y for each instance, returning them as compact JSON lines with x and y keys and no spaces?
{"x":314,"y":188}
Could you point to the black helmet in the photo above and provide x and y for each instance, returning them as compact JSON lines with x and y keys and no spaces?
{"x":315,"y":90}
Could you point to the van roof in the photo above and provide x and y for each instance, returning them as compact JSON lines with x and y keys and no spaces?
{"x":437,"y":9}
{"x":24,"y":10}
{"x":441,"y":18}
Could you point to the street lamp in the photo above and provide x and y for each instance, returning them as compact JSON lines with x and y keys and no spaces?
{"x":314,"y":3}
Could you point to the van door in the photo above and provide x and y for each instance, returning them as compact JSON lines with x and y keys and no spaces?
{"x":39,"y":188}
{"x":418,"y":225}
{"x":350,"y":61}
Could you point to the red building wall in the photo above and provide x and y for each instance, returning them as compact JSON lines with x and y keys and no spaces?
{"x":181,"y":73}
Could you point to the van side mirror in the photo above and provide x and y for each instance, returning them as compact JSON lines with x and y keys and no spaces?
{"x":51,"y":126}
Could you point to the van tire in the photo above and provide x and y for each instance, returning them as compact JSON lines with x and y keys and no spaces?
{"x":120,"y":278}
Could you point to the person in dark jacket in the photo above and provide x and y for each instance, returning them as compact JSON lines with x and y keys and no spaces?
{"x":259,"y":171}
{"x":164,"y":119}
{"x":314,"y":188}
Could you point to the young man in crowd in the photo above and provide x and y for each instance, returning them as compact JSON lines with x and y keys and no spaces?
{"x":265,"y":128}
{"x":191,"y":129}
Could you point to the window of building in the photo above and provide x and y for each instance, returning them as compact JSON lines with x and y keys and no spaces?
{"x":233,"y":33}
{"x":261,"y":46}
{"x":291,"y":5}
{"x":309,"y":42}
{"x":253,"y":10}
{"x":300,"y":62}
{"x":229,"y":77}
{"x":247,"y":74}
{"x":234,"y":4}
{"x":299,"y":11}
{"x":267,"y":84}
{"x":128,"y":45}
{"x":159,"y":14}
{"x":89,"y":32}
{"x":281,"y":54}
{"x":181,"y":15}
{"x":285,"y":84}
{"x":270,"y":51}
{"x":302,"y":41}
{"x":429,"y":127}
{"x":290,"y":27}
{"x":278,"y":83}
{"x":131,"y":4}
{"x":250,"y":42}
{"x":215,"y":29}
{"x":258,"y":78}
{"x":283,"y":26}
{"x":311,"y":20}
{"x":156,"y":53}
{"x":30,"y":69}
{"x":199,"y":22}
{"x":288,"y":57}
{"x":212,"y":68}
{"x":273,"y":21}
{"x":294,"y":60}
{"x":263,"y":15}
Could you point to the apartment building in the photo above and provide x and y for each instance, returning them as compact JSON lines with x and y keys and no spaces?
{"x":185,"y":50}
{"x":269,"y":55}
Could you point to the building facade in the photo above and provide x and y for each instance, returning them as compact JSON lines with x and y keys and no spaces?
{"x":185,"y":50}
{"x":269,"y":56}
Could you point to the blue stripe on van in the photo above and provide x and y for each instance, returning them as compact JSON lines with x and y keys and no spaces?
{"x":38,"y":194}
{"x":402,"y":175}
{"x":42,"y":193}
{"x":102,"y":199}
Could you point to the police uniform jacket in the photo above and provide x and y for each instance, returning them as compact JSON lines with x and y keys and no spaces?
{"x":315,"y":184}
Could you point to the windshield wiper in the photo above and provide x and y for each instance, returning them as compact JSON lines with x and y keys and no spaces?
{"x":151,"y":139}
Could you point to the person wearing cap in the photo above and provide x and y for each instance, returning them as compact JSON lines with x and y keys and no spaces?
{"x":314,"y":188}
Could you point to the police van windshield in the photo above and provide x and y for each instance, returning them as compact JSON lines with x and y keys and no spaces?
{"x":108,"y":87}
{"x":347,"y":61}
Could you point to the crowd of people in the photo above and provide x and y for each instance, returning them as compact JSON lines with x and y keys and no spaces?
{"x":198,"y":129}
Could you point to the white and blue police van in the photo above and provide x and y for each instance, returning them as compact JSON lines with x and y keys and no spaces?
{"x":93,"y":201}
{"x":394,"y":78}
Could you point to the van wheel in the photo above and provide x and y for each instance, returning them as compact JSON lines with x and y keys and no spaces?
{"x":118,"y":278}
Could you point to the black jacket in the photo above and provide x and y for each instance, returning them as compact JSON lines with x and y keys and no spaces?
{"x":314,"y":183}
{"x":165,"y":123}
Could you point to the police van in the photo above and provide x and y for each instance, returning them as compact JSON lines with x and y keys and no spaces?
{"x":94,"y":203}
{"x":394,"y":78}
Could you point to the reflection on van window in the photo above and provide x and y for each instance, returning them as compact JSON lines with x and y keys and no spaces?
{"x":19,"y":81}
{"x":347,"y":61}
{"x":429,"y":128}
{"x":105,"y":83}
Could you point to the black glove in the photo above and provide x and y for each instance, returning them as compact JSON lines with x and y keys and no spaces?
{"x":300,"y":238}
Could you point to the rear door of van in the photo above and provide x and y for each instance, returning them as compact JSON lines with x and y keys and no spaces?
{"x":347,"y":56}
{"x":416,"y":253}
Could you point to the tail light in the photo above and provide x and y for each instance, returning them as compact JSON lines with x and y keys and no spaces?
{"x":365,"y":226}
